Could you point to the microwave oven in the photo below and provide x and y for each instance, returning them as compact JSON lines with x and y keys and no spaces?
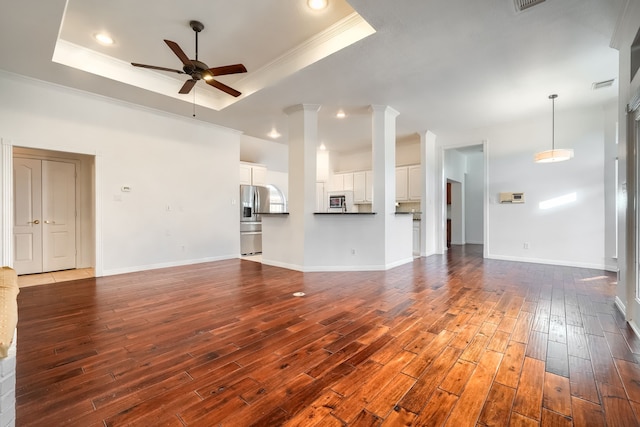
{"x":337,"y":201}
{"x":340,"y":201}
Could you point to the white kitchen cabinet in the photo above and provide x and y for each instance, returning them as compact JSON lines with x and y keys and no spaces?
{"x":342,"y":182}
{"x":368,"y":189}
{"x":415,"y":182}
{"x":402,"y":183}
{"x":245,"y":174}
{"x":253,"y":174}
{"x":347,"y":181}
{"x":337,"y":182}
{"x":363,"y":187}
{"x":259,"y":175}
{"x":416,"y":238}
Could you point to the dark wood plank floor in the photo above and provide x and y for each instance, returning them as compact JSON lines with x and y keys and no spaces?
{"x":449,"y":340}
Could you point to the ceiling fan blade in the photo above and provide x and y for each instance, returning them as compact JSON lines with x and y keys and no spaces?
{"x":188,"y":85}
{"x":179,"y":52}
{"x":227,"y":69}
{"x":153,"y":67}
{"x":223,"y":87}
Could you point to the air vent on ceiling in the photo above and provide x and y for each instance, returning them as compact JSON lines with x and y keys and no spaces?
{"x":526,"y":4}
{"x":604,"y":83}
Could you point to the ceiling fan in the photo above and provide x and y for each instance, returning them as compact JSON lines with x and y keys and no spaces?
{"x":196,"y":69}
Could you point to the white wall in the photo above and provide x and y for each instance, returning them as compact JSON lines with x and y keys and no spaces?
{"x":474,"y":198}
{"x":353,"y":161}
{"x":183,"y":173}
{"x":408,"y":152}
{"x":274,"y":155}
{"x":571,"y":234}
{"x":455,"y":165}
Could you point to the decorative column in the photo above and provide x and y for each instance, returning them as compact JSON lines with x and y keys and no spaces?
{"x":432,"y":197}
{"x":383,"y":144}
{"x":303,"y":143}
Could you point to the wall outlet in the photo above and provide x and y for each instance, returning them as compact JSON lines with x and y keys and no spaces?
{"x":353,"y":251}
{"x":526,"y":245}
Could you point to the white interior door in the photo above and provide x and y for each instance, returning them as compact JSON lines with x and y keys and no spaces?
{"x":58,"y":215}
{"x":27,"y":215}
{"x":45,"y":216}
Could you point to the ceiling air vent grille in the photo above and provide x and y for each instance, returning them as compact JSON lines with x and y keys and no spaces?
{"x":526,"y":4}
{"x":604,"y":83}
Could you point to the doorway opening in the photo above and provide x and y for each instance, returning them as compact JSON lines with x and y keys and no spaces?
{"x":465,"y":195}
{"x":53,"y":216}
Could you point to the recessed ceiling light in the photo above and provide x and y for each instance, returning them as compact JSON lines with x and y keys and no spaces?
{"x":341,"y":114}
{"x":323,"y":147}
{"x":274,"y":134}
{"x":104,"y":38}
{"x":317,"y":4}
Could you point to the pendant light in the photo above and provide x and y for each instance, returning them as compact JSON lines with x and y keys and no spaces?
{"x":555,"y":154}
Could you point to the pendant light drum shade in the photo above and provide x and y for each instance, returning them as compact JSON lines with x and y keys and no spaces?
{"x":555,"y":154}
{"x":550,"y":156}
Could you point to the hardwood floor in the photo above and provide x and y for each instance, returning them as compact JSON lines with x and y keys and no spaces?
{"x":449,"y":340}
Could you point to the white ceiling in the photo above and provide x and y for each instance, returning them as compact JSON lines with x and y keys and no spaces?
{"x":446,"y":65}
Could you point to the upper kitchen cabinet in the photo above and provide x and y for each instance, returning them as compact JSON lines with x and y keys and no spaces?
{"x":415,"y":183}
{"x":363,"y":187}
{"x":253,"y":174}
{"x":408,"y":183}
{"x":341,"y":182}
{"x":402,"y":183}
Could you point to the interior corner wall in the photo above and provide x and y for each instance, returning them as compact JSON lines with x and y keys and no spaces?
{"x":274,"y":155}
{"x":183,"y":174}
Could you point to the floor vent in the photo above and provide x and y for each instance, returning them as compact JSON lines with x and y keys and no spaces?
{"x":604,"y":83}
{"x":526,"y":4}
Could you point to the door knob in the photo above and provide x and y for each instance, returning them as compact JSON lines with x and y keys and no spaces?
{"x":34,"y":222}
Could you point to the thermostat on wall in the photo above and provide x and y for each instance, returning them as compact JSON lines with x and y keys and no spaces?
{"x":511,"y":197}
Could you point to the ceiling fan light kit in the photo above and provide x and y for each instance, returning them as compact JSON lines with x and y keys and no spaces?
{"x":196,"y":69}
{"x":555,"y":154}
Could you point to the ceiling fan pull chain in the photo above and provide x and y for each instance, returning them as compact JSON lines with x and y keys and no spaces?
{"x":194,"y":102}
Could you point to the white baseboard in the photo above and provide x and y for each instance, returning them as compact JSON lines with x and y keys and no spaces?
{"x":137,"y":268}
{"x":620,"y":305}
{"x":548,"y":261}
{"x":329,"y":268}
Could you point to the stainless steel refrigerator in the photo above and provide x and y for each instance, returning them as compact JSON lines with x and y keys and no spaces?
{"x":254,"y":200}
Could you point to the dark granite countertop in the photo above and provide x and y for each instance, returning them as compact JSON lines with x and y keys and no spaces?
{"x":344,"y":213}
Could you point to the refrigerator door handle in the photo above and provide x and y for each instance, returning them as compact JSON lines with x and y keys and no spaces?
{"x":256,"y":203}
